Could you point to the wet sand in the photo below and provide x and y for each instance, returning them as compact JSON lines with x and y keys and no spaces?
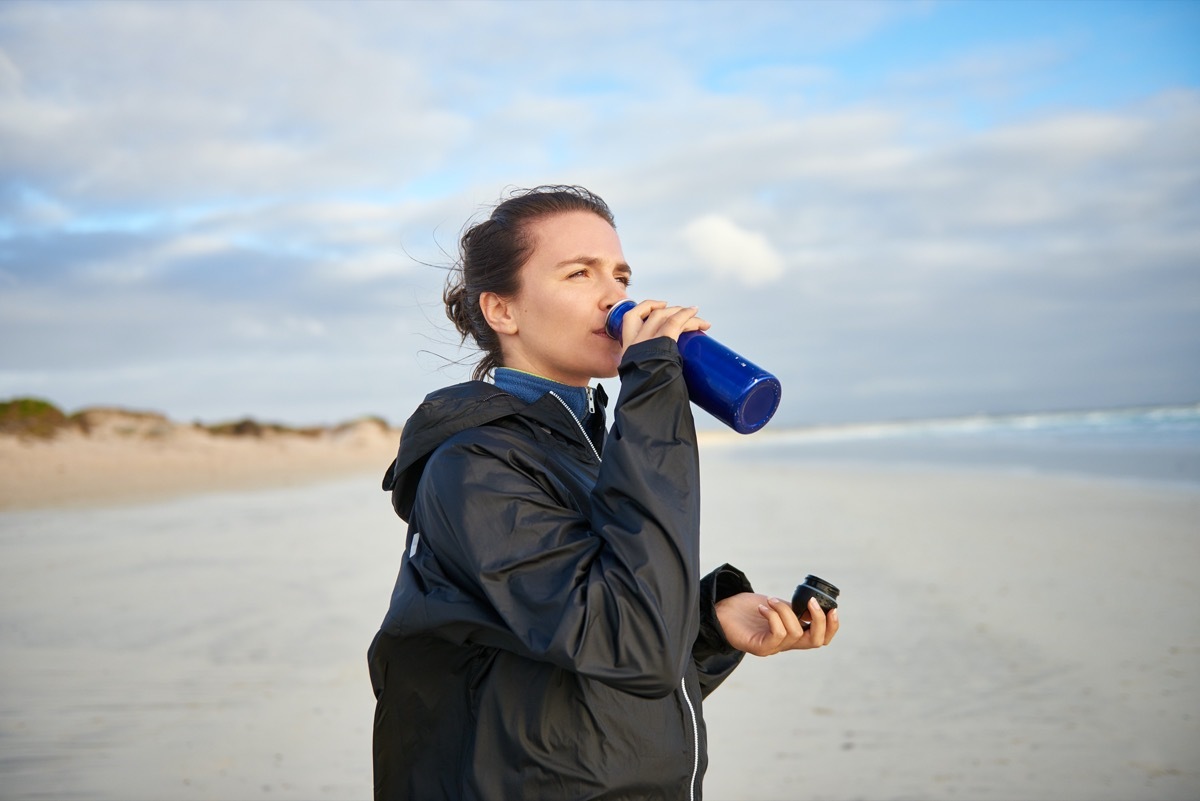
{"x":1005,"y":636}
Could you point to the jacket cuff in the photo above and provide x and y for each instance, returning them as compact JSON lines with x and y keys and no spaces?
{"x":659,"y":347}
{"x":718,"y":585}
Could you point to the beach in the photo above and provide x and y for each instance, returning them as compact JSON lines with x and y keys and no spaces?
{"x":123,"y":457}
{"x":1007,"y":634}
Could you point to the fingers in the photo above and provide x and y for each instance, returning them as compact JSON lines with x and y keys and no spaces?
{"x":823,"y":626}
{"x":791,"y":624}
{"x":654,"y":318}
{"x":816,"y":629}
{"x":786,"y":631}
{"x":779,"y":628}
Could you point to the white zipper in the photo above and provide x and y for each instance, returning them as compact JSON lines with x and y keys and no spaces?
{"x":682,"y":682}
{"x":695,"y":740}
{"x":586,"y":438}
{"x":591,"y":401}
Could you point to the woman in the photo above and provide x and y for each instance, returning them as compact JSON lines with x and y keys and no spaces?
{"x":549,"y":636}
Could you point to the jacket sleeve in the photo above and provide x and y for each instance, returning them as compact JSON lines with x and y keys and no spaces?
{"x":715,"y":658}
{"x":612,"y":593}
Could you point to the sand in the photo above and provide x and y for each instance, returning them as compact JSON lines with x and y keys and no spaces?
{"x":131,"y":457}
{"x":1006,"y":636}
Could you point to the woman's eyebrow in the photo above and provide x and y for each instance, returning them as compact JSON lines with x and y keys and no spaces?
{"x":592,"y":261}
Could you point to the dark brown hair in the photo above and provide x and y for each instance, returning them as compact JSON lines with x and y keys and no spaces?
{"x":491,"y":254}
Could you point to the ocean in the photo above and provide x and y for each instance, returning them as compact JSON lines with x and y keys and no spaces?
{"x":1159,"y":444}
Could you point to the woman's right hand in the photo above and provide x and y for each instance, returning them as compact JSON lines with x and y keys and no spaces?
{"x":762,"y":625}
{"x":651,"y":319}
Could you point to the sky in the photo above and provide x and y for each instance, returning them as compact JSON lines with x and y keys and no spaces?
{"x":901,"y":209}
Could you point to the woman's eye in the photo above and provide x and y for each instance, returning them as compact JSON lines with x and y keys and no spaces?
{"x":624,"y":279}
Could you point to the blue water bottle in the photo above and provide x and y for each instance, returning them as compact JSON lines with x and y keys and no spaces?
{"x":732,"y":389}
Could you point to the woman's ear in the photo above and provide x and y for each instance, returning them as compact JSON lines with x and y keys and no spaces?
{"x":498,"y":313}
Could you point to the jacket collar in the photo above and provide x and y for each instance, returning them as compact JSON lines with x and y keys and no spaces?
{"x":530,"y":387}
{"x":456,"y":408}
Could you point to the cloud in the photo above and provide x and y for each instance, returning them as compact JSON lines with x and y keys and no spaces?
{"x":194,"y":184}
{"x":178,"y":102}
{"x":731,"y":251}
{"x":131,"y":102}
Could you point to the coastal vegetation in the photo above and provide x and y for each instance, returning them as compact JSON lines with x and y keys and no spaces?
{"x":33,"y":417}
{"x":38,"y":419}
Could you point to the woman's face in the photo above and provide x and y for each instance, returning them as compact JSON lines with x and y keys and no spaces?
{"x":574,"y":276}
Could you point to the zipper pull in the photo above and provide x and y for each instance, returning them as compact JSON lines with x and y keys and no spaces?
{"x":591,"y":401}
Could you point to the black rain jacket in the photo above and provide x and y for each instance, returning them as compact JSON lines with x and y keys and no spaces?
{"x":549,"y":636}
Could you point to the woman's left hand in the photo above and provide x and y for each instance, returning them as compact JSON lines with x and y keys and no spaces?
{"x":761,"y":625}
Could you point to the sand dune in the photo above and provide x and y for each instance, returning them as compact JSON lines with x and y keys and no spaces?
{"x":119,"y":456}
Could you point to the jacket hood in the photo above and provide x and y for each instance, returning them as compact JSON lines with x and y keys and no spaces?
{"x":440,"y":416}
{"x":454,"y":409}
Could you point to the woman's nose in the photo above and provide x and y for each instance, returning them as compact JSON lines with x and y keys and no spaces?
{"x":614,"y":297}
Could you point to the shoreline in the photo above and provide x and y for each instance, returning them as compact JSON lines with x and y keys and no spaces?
{"x":115,"y":467}
{"x":106,"y":456}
